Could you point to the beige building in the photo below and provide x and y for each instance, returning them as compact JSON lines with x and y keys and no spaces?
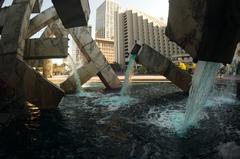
{"x":105,"y":19}
{"x":131,"y":26}
{"x":107,"y":48}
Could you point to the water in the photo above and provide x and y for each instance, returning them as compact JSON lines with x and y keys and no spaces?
{"x":202,"y":83}
{"x":83,"y":128}
{"x":128,"y":75}
{"x":76,"y":75}
{"x":114,"y":101}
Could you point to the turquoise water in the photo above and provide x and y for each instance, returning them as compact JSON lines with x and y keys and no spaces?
{"x":128,"y":75}
{"x":202,"y":84}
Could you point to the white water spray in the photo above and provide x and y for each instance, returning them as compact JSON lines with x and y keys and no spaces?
{"x":76,"y":76}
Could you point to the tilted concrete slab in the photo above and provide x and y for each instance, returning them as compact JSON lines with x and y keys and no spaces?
{"x":46,"y":48}
{"x":15,"y":72}
{"x":74,"y":13}
{"x":57,"y":31}
{"x":109,"y":78}
{"x":29,"y":83}
{"x":155,"y":61}
{"x":15,"y":27}
{"x":37,"y":6}
{"x":85,"y":72}
{"x":3,"y":14}
{"x":206,"y":29}
{"x":89,"y":48}
{"x":40,"y":21}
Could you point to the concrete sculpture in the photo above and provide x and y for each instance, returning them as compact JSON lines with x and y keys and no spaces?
{"x":155,"y":61}
{"x":208,"y":30}
{"x":16,"y":47}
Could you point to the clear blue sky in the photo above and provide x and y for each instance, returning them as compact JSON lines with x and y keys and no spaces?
{"x":157,"y":8}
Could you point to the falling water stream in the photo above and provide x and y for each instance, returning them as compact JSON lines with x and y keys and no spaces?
{"x":117,"y":100}
{"x":202,"y":83}
{"x":128,"y":75}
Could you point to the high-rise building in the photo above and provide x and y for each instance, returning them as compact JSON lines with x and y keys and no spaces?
{"x":105,"y":19}
{"x":133,"y":25}
{"x":107,"y":48}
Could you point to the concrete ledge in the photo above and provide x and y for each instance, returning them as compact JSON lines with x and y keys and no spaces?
{"x":152,"y":59}
{"x":29,"y":83}
{"x":46,"y":48}
{"x":85,"y":73}
{"x":40,"y":21}
{"x":74,"y":13}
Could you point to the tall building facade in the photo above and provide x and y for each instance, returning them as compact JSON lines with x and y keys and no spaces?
{"x":105,"y":19}
{"x":131,"y":26}
{"x":107,"y":48}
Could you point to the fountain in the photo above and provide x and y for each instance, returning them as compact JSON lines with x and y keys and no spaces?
{"x":115,"y":101}
{"x":202,"y":84}
{"x":128,"y":75}
{"x":79,"y":89}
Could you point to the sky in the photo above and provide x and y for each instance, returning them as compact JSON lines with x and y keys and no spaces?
{"x":156,"y":8}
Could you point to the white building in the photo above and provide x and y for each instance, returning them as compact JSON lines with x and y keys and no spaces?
{"x":133,"y":25}
{"x":105,"y":19}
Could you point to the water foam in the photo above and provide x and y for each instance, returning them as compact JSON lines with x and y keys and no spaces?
{"x":115,"y":101}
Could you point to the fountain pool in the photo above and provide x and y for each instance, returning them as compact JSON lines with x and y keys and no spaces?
{"x":146,"y":128}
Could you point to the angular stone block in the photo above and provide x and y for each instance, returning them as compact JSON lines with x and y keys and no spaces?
{"x":37,"y":6}
{"x":74,"y":13}
{"x":46,"y":48}
{"x":40,"y":21}
{"x":89,"y":48}
{"x":58,"y":32}
{"x":207,"y":29}
{"x":82,"y":38}
{"x":155,"y":61}
{"x":109,"y":78}
{"x":85,"y":73}
{"x":29,"y":83}
{"x":15,"y":28}
{"x":95,"y":54}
